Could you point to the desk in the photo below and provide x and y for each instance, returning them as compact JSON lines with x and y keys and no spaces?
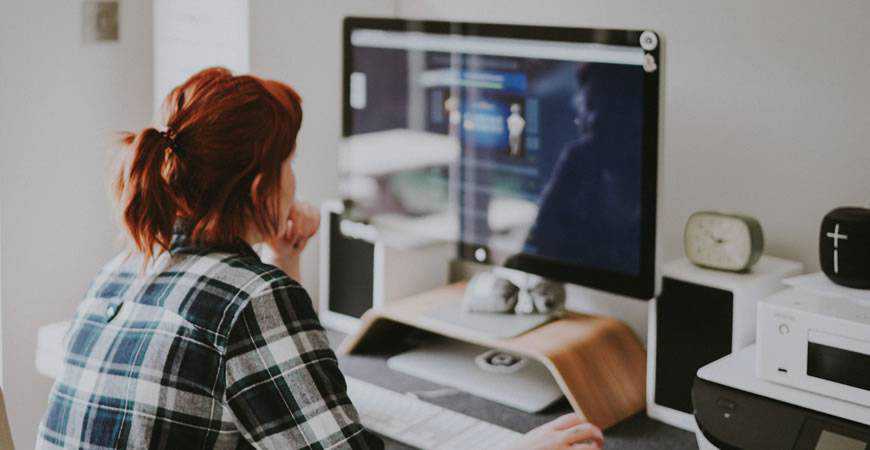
{"x":636,"y":433}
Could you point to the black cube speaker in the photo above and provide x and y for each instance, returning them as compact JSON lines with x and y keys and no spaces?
{"x":700,"y":316}
{"x":844,"y":246}
{"x":350,"y":271}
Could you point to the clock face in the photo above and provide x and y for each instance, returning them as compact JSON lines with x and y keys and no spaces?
{"x":719,"y":241}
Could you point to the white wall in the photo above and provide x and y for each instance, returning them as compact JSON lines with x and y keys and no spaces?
{"x":2,"y":384}
{"x":61,"y":101}
{"x":299,"y":42}
{"x":190,"y":35}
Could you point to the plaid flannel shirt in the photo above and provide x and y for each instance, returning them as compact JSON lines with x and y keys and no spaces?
{"x":203,"y":350}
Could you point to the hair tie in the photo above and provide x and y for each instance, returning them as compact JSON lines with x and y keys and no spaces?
{"x":169,"y":136}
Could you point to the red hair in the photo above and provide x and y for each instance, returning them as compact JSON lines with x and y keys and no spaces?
{"x":217,"y":166}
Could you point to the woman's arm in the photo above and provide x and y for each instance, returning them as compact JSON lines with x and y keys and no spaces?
{"x":283,"y":384}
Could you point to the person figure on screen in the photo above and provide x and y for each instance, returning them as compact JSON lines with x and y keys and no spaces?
{"x":515,"y":125}
{"x":454,"y":117}
{"x":589,"y":210}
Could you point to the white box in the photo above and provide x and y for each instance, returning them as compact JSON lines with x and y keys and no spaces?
{"x":387,"y":268}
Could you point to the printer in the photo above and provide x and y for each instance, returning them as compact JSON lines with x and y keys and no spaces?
{"x":735,"y":409}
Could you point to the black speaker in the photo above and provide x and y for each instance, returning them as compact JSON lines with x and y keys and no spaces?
{"x":844,"y":247}
{"x":351,"y":274}
{"x":694,"y":329}
{"x":700,"y":316}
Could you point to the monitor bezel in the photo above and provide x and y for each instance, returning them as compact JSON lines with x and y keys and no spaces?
{"x":642,"y":285}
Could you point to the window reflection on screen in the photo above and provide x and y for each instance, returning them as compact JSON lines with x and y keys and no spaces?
{"x":834,"y":441}
{"x":521,"y":146}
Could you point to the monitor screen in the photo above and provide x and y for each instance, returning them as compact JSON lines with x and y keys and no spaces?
{"x":532,"y":147}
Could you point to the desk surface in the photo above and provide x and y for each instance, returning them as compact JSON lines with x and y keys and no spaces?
{"x":636,"y":433}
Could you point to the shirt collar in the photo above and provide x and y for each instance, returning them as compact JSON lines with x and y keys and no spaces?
{"x":182,"y":243}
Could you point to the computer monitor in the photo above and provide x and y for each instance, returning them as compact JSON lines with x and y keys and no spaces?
{"x":532,"y":147}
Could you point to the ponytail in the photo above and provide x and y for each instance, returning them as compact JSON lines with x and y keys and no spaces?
{"x":149,"y":208}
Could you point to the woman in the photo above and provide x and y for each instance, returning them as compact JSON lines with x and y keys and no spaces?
{"x":191,"y":340}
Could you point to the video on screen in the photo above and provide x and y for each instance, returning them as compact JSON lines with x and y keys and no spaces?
{"x":535,"y":155}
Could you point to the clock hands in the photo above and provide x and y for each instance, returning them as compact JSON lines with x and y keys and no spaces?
{"x":713,"y":236}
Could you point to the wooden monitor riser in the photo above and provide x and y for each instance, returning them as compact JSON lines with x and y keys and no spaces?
{"x":598,"y":362}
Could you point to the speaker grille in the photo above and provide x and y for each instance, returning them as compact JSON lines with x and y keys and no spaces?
{"x":693,"y":328}
{"x":351,"y":276}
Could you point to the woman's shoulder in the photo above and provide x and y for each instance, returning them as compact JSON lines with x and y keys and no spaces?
{"x":236,"y":278}
{"x":114,"y":278}
{"x":257,"y":276}
{"x":227,"y":284}
{"x":277,"y":301}
{"x":272,"y":283}
{"x":207,"y":290}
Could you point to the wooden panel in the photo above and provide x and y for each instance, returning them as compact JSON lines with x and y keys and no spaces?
{"x":598,"y":362}
{"x":5,"y":432}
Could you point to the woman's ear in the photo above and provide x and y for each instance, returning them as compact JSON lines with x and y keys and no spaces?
{"x":255,"y":185}
{"x":275,"y":211}
{"x":254,"y":230}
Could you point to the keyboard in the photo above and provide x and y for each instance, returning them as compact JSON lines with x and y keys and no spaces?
{"x":420,"y":424}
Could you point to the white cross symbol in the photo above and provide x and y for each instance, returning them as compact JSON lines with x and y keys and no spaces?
{"x":836,"y":236}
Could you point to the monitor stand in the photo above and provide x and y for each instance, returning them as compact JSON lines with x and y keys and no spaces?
{"x":502,"y":377}
{"x":493,"y":325}
{"x":525,"y":384}
{"x":597,"y":362}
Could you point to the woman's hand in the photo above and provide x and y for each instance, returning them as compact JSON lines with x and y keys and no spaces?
{"x":566,"y":432}
{"x":284,"y":250}
{"x":303,"y":223}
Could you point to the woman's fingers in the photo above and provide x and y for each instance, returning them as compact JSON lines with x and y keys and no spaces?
{"x":312,"y":219}
{"x":584,"y":433}
{"x":306,"y":220}
{"x":570,"y":431}
{"x":300,"y":246}
{"x":585,"y":447}
{"x":564,"y":422}
{"x":292,"y":234}
{"x":299,"y":242}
